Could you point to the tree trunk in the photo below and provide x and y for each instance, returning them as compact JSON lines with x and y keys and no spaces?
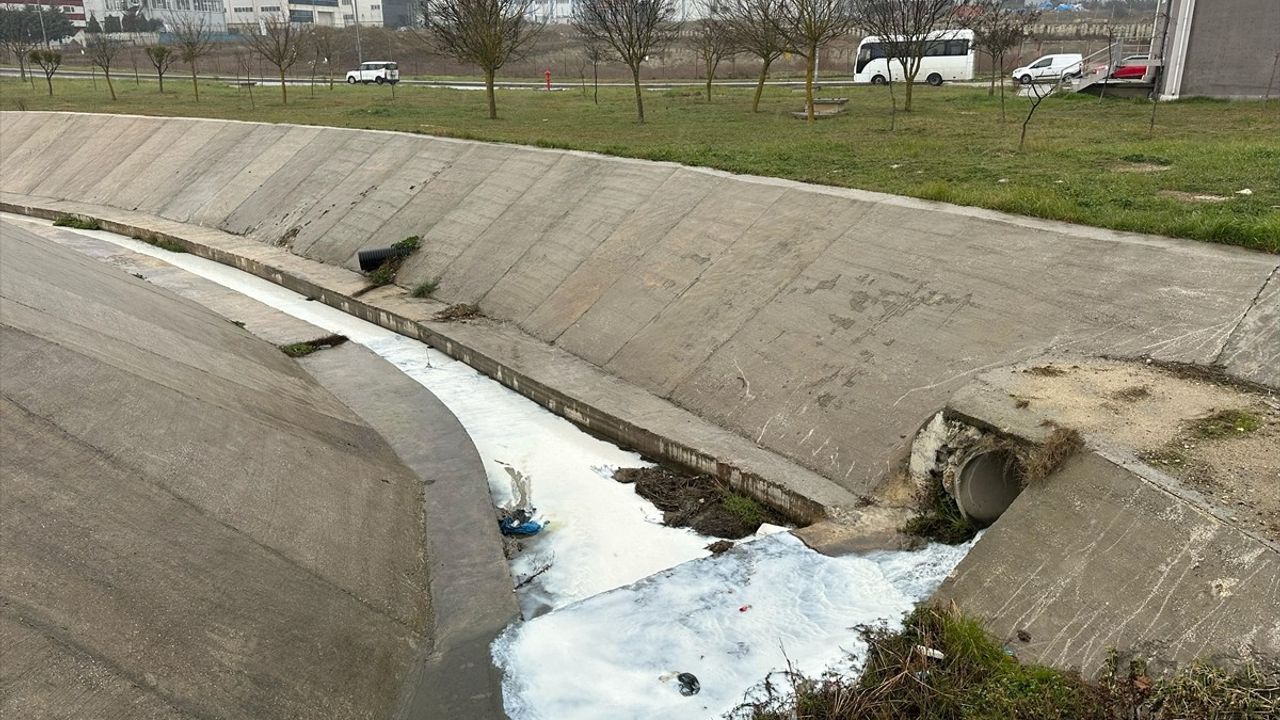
{"x":48,"y":78}
{"x":635,"y":77}
{"x":107,"y":74}
{"x":906,"y":104}
{"x":595,"y":81}
{"x":194,"y":83}
{"x":710,"y":73}
{"x":809,"y":68}
{"x":764,"y":75}
{"x":995,"y":70}
{"x":284,"y":89}
{"x":22,"y":67}
{"x":160,"y":79}
{"x":489,"y":95}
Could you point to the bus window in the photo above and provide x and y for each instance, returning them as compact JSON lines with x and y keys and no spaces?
{"x":957,"y":47}
{"x":867,"y":53}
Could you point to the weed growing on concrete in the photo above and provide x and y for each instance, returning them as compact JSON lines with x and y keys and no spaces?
{"x":1225,"y":423}
{"x":77,"y":222}
{"x":424,"y":289}
{"x":385,"y":274}
{"x":939,"y":519}
{"x":166,"y":244}
{"x":1040,"y":461}
{"x":943,"y":665}
{"x":410,"y":244}
{"x":301,"y":349}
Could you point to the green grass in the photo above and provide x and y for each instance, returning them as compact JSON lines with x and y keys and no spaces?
{"x":943,"y":665}
{"x":77,"y":222}
{"x":954,"y":147}
{"x":744,"y":508}
{"x":301,"y":349}
{"x":1225,"y":423}
{"x":424,"y":289}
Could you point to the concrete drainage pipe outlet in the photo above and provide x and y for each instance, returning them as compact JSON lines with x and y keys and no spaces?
{"x":987,"y":484}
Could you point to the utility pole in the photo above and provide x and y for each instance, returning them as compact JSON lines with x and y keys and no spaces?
{"x":43,"y":34}
{"x":355,"y":7}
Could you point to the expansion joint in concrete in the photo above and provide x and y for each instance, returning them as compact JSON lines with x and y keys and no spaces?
{"x":1226,"y":342}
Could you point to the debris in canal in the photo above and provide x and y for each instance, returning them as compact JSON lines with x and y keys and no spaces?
{"x":699,"y":502}
{"x":460,"y":311}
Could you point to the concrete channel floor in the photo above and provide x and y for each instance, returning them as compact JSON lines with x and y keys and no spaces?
{"x":193,"y":526}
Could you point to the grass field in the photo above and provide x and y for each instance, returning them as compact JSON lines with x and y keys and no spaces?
{"x":1085,"y":161}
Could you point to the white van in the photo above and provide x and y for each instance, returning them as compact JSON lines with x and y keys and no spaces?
{"x":1050,"y":67}
{"x":379,"y":71}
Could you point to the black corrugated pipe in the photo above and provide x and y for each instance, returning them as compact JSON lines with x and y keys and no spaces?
{"x":371,"y":260}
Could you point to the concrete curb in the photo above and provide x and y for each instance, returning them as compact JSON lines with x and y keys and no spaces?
{"x":554,"y":379}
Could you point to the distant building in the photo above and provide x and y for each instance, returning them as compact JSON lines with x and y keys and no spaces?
{"x":331,"y":13}
{"x":399,"y":13}
{"x":212,"y":12}
{"x":1218,"y":48}
{"x":74,"y":9}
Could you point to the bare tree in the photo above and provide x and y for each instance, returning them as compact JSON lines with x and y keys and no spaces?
{"x":595,"y":52}
{"x":49,"y":60}
{"x":102,"y":49}
{"x":484,"y":33}
{"x":713,"y":42}
{"x":996,"y":31}
{"x":633,"y":28}
{"x":756,"y":27}
{"x":809,"y":25}
{"x":161,"y":57}
{"x":1037,"y":96}
{"x":324,"y":41}
{"x":903,"y":27}
{"x":277,"y":41}
{"x":193,"y":37}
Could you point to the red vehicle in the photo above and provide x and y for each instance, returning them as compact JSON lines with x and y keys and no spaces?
{"x":1131,"y":68}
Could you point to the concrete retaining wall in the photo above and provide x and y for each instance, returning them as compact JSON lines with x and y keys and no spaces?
{"x":820,"y":323}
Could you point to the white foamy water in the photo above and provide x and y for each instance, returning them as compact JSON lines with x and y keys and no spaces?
{"x":627,"y":609}
{"x":730,"y":620}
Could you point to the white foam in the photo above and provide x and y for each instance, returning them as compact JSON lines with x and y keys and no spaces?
{"x":730,"y":620}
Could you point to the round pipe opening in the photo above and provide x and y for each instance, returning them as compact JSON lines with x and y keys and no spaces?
{"x":987,"y":483}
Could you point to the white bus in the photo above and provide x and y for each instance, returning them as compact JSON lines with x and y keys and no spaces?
{"x":948,"y":55}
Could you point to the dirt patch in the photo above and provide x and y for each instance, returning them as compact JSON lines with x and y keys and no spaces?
{"x":699,"y":502}
{"x":1215,"y":435}
{"x":1193,"y":197}
{"x":302,"y":349}
{"x":1045,"y":371}
{"x":456,"y":313}
{"x":1139,"y":167}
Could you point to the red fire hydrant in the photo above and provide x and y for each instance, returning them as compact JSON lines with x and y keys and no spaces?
{"x":547,"y":74}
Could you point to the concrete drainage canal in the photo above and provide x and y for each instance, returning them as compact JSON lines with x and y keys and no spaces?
{"x":625,"y":617}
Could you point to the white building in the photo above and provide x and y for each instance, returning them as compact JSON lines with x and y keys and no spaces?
{"x":332,"y":13}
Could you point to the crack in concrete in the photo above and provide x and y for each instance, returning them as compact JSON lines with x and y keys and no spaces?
{"x":1226,"y":342}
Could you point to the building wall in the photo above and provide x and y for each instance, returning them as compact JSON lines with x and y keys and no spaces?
{"x":334,"y":13}
{"x":1228,"y":50}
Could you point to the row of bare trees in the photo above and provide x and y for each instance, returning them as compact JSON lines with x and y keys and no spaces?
{"x":490,"y":33}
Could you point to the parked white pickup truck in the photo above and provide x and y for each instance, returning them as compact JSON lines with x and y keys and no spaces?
{"x":377,"y":71}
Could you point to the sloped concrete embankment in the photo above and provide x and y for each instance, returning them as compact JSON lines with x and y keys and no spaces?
{"x":1111,"y":553}
{"x":1104,"y":555}
{"x":819,"y":323}
{"x":196,"y":525}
